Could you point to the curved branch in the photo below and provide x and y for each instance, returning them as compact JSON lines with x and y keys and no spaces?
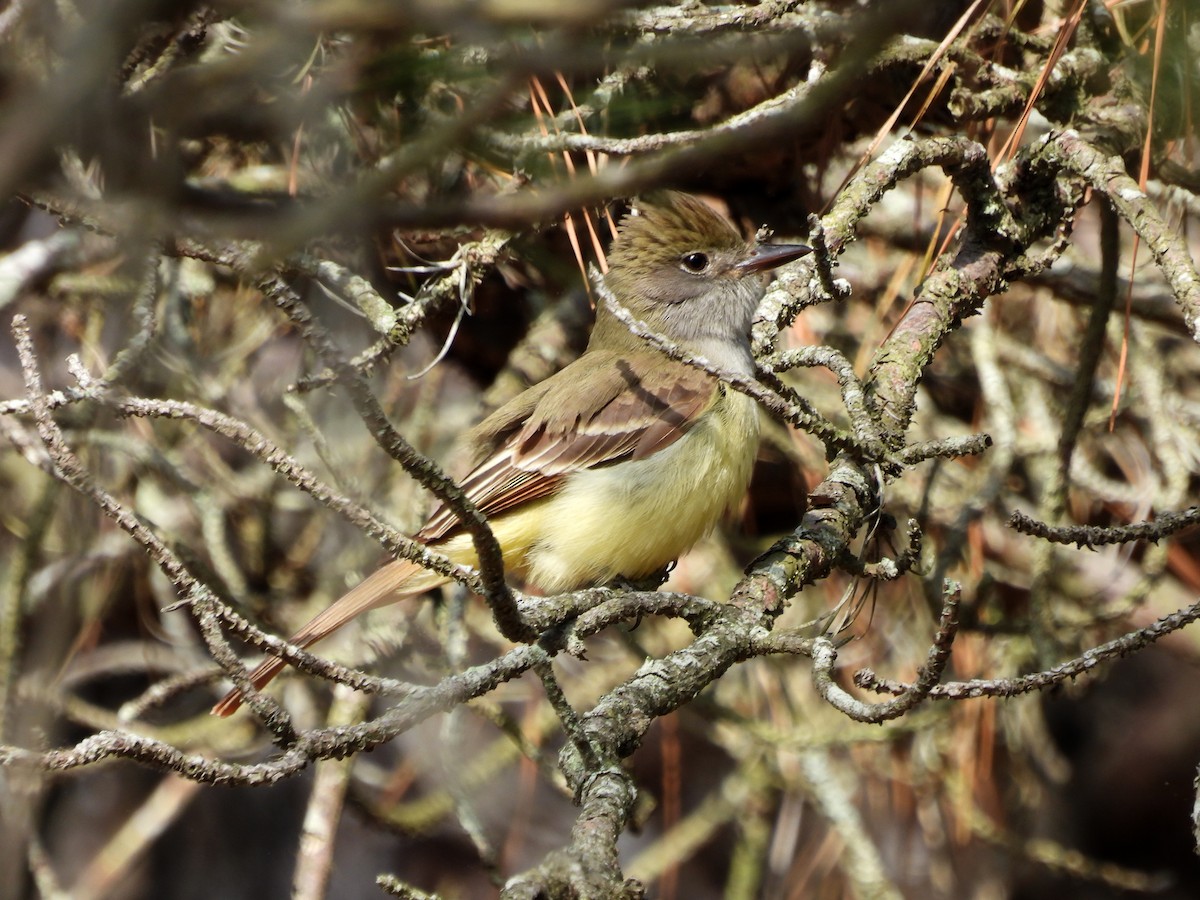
{"x":825,"y":655}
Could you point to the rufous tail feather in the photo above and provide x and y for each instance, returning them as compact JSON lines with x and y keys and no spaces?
{"x":389,"y":584}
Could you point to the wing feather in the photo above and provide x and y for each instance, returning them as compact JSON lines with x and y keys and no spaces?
{"x":586,"y":417}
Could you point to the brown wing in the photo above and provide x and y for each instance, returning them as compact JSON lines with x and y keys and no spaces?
{"x":587,"y":415}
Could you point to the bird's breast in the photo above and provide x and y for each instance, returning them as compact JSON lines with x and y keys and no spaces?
{"x":632,"y":518}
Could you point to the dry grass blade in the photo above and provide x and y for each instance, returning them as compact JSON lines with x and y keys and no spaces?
{"x":544,"y":111}
{"x":936,"y":57}
{"x":1160,"y":29}
{"x":1063,"y":39}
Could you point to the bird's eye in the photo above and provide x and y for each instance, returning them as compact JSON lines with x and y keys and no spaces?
{"x":695,"y":262}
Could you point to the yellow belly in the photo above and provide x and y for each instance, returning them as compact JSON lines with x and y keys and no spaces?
{"x":632,"y":518}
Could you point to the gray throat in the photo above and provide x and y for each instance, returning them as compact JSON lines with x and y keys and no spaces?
{"x":729,"y":356}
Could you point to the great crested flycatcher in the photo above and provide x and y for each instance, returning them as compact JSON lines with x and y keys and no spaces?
{"x":621,"y":461}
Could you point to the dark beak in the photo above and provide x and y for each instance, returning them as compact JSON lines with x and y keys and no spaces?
{"x":768,"y":256}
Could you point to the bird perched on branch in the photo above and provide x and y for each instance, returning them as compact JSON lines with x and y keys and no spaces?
{"x":621,"y":461}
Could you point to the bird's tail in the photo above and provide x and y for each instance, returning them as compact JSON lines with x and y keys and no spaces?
{"x":393,"y":582}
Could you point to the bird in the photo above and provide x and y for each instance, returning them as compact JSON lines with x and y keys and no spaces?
{"x":622,"y":460}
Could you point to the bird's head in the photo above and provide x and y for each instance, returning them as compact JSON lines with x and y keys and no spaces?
{"x":680,"y":267}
